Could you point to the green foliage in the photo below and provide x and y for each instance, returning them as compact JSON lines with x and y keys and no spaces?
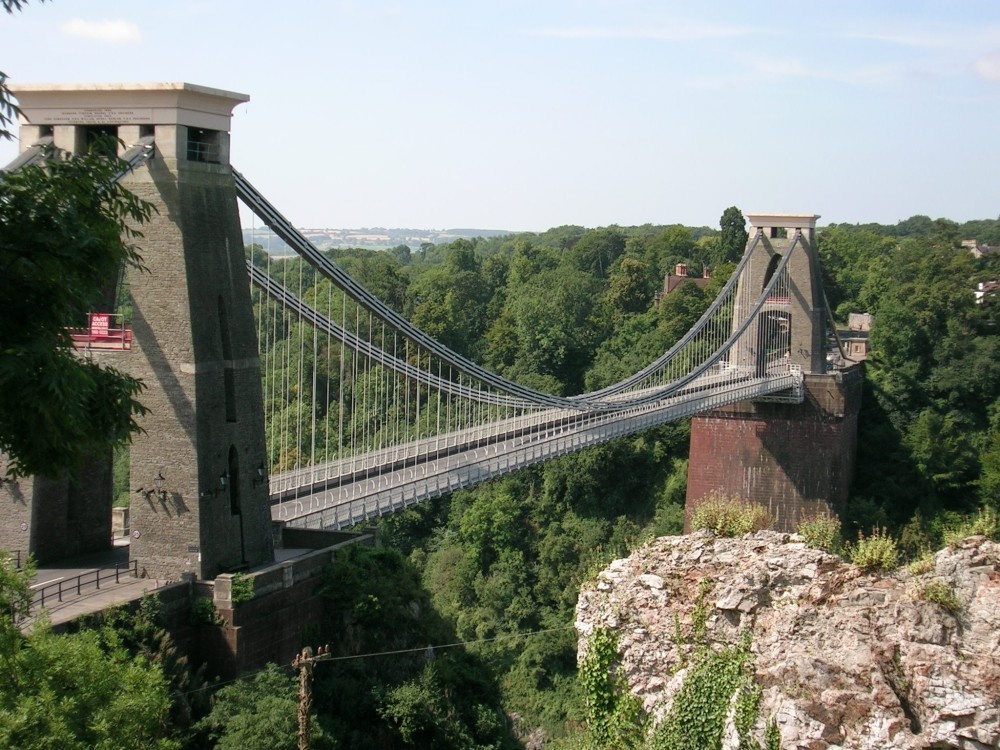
{"x":140,"y":632}
{"x":78,"y":691}
{"x":614,"y":715}
{"x":923,"y":564}
{"x":513,"y":553}
{"x":699,"y":709}
{"x":71,"y":692}
{"x":423,"y":715}
{"x":734,"y":235}
{"x":597,"y":250}
{"x":446,"y":698}
{"x":772,"y":736}
{"x":120,"y":476}
{"x":986,"y":522}
{"x":259,"y":714}
{"x":925,"y":434}
{"x":821,"y":531}
{"x":629,"y":288}
{"x":203,"y":612}
{"x":242,"y":588}
{"x":66,"y":229}
{"x":726,"y":515}
{"x":938,"y":592}
{"x":876,"y":552}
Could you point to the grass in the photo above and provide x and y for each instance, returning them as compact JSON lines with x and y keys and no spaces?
{"x":730,"y":515}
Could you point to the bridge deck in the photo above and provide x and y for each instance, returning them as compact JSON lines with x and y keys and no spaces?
{"x":380,"y":490}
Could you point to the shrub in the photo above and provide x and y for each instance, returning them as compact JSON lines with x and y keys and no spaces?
{"x":938,"y":592}
{"x":875,"y":552}
{"x":923,"y":564}
{"x":821,"y":531}
{"x":730,"y":515}
{"x":203,"y":612}
{"x":242,"y":588}
{"x":984,"y":523}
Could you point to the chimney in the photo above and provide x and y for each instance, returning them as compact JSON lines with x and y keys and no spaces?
{"x":706,"y":272}
{"x":681,"y":269}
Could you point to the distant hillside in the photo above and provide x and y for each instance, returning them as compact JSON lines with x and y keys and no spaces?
{"x":376,"y":238}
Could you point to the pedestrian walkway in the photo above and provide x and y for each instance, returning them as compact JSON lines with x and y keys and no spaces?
{"x":86,"y":585}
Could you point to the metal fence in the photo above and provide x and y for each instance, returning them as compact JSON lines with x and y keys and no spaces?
{"x":48,"y":593}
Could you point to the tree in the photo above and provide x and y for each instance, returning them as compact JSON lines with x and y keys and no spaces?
{"x":629,"y":289}
{"x":734,"y":235}
{"x":66,"y":229}
{"x":259,"y":714}
{"x":597,"y":250}
{"x":74,"y":691}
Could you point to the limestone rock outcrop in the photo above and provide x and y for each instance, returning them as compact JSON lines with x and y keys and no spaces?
{"x":844,"y":659}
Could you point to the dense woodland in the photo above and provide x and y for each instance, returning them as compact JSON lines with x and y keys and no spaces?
{"x":488,"y":577}
{"x":498,"y":567}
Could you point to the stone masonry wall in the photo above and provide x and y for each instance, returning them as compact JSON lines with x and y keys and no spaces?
{"x":273,"y":625}
{"x":56,"y":518}
{"x":795,"y":459}
{"x":196,"y":351}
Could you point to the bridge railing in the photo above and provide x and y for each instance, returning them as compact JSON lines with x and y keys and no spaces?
{"x":47,"y":593}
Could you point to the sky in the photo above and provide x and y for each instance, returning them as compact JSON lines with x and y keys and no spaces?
{"x":528,"y":114}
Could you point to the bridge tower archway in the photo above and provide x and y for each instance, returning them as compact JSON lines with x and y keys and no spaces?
{"x":797,"y":459}
{"x":194,"y":342}
{"x":805,"y":306}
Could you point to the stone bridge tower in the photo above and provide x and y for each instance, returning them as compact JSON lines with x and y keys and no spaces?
{"x":199,"y":496}
{"x":796,"y":459}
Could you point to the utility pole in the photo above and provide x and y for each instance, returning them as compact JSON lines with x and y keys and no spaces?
{"x":304,"y":663}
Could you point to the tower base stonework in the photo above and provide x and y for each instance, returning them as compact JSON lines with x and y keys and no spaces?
{"x":53,"y":518}
{"x":797,"y":460}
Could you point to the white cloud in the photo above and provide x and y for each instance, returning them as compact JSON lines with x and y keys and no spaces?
{"x":917,"y":39}
{"x":112,"y":32}
{"x":672,"y":33}
{"x":987,"y":67}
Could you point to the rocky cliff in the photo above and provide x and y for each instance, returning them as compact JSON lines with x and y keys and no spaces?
{"x":843,"y":659}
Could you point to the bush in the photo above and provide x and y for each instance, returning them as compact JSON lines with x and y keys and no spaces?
{"x":730,"y":515}
{"x":937,"y":592}
{"x":923,"y":564}
{"x":821,"y":531}
{"x":203,"y":612}
{"x":984,"y":523}
{"x":875,"y":552}
{"x":242,"y":588}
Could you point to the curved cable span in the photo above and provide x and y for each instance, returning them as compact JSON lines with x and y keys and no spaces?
{"x":677,"y":387}
{"x":305,"y":249}
{"x":582,"y":403}
{"x":287,"y":299}
{"x":665,"y":358}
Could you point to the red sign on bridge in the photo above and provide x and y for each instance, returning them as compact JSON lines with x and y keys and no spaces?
{"x":105,"y":331}
{"x":99,"y":324}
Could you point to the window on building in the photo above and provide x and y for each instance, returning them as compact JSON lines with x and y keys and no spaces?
{"x":203,"y":145}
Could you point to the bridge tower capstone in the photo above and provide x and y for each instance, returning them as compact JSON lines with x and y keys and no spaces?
{"x":797,"y":459}
{"x":199,"y":505}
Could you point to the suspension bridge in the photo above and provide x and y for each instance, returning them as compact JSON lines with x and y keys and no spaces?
{"x":282,"y":391}
{"x":402,"y":418}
